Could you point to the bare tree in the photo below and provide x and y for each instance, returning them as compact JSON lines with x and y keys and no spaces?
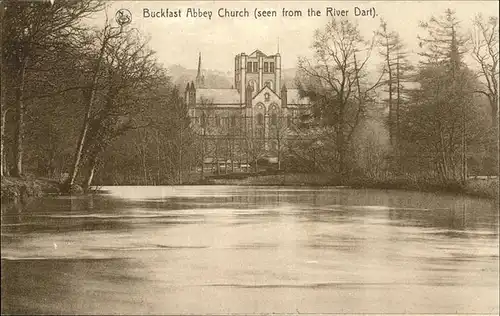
{"x":336,"y":81}
{"x":29,"y":30}
{"x":106,"y":36}
{"x":279,"y":131}
{"x":396,"y":68}
{"x":130,"y":72}
{"x":485,"y":52}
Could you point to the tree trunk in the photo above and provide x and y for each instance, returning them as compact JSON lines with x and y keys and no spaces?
{"x":3,"y":165}
{"x":398,"y":103}
{"x":90,"y":175}
{"x":203,"y":155}
{"x":444,"y":160}
{"x":494,"y":110}
{"x":158,"y":163}
{"x":232,"y":155}
{"x":340,"y":148}
{"x":145,"y":172}
{"x":86,"y":121}
{"x":3,"y":113}
{"x":391,"y":114}
{"x":19,"y":128}
{"x":180,"y":157}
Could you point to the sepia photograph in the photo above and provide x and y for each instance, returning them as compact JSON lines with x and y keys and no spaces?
{"x":249,"y":157}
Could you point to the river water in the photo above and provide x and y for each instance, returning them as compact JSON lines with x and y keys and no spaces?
{"x":240,"y":250}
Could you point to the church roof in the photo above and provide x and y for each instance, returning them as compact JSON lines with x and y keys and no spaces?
{"x":268,"y":90}
{"x":293,"y":97}
{"x":218,"y":96}
{"x":258,"y":53}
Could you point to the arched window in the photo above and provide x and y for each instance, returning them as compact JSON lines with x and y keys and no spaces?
{"x":269,"y":84}
{"x":260,"y":119}
{"x":274,"y":119}
{"x":266,"y":96}
{"x":253,"y":84}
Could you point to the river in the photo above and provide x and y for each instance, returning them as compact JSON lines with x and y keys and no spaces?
{"x":240,"y":250}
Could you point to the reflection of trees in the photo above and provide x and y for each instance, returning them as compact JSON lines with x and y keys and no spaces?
{"x":62,"y":215}
{"x":12,"y":216}
{"x":32,"y":286}
{"x":451,"y":213}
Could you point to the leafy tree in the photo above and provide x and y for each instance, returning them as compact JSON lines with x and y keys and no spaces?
{"x":443,"y":120}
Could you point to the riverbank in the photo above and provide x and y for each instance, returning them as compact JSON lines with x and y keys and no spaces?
{"x":15,"y":189}
{"x":487,"y":188}
{"x":484,"y":188}
{"x":21,"y":189}
{"x":284,"y":179}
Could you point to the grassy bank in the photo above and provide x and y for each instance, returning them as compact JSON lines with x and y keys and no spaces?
{"x":289,"y":179}
{"x":485,"y":188}
{"x":478,"y":188}
{"x":21,"y":189}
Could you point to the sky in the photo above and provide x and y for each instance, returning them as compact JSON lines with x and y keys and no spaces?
{"x":180,"y":40}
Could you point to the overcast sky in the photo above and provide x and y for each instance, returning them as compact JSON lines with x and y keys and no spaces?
{"x":178,"y":40}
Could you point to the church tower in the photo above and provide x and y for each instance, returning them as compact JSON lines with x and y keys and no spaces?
{"x":257,"y":70}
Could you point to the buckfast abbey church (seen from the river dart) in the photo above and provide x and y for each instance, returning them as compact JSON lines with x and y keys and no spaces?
{"x":250,"y":121}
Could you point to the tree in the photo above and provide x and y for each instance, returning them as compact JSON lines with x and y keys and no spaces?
{"x":130,"y":75}
{"x":397,"y":67}
{"x":370,"y":148}
{"x":104,"y":38}
{"x":279,"y":131}
{"x":29,"y":31}
{"x":443,"y":120}
{"x":485,"y":52}
{"x":336,"y":82}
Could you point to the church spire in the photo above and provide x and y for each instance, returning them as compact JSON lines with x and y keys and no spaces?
{"x":200,"y":80}
{"x":199,"y":67}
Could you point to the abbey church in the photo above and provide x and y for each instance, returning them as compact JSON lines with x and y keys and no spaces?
{"x":250,"y":121}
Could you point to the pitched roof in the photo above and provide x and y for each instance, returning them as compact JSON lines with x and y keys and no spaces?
{"x":257,"y":53}
{"x":268,"y":89}
{"x":218,"y":96}
{"x":293,"y":97}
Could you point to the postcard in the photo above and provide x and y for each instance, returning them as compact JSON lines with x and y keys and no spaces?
{"x":249,"y":157}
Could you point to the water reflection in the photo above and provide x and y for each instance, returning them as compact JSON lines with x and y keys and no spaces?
{"x":218,"y":249}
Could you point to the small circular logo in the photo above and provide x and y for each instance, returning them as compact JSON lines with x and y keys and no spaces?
{"x":123,"y":17}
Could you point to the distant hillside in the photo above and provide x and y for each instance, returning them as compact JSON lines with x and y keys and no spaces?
{"x":288,"y":75}
{"x":218,"y":79}
{"x":213,"y":79}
